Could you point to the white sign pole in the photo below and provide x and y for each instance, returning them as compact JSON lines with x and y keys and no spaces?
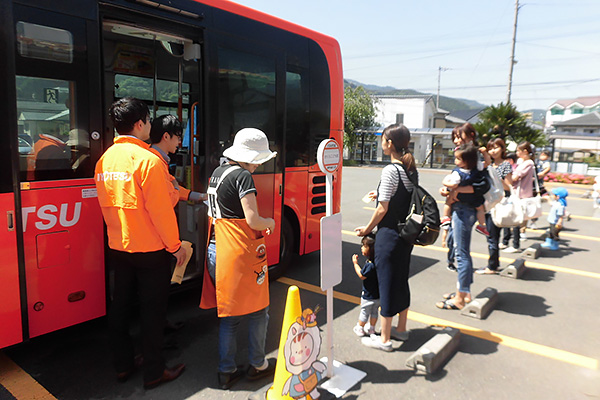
{"x":341,"y":377}
{"x":328,"y":213}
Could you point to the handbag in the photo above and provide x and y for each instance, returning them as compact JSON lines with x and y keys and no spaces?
{"x":496,"y":192}
{"x":508,"y":212}
{"x":532,"y":206}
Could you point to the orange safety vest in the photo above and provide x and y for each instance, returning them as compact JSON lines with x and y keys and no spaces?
{"x":134,"y":196}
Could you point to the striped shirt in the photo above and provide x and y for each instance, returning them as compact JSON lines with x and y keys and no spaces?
{"x":388,"y":185}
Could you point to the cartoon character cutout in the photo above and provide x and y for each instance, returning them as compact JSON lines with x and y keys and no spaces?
{"x":302,"y":347}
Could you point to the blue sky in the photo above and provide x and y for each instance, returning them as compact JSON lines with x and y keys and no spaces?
{"x":402,"y":44}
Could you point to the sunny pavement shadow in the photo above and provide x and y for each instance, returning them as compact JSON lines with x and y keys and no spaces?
{"x":522,"y":304}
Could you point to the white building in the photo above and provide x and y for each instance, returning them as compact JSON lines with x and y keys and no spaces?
{"x":417,"y":111}
{"x":577,"y":138}
{"x":564,"y":110}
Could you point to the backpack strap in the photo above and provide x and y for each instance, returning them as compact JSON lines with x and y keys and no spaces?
{"x":410,"y":177}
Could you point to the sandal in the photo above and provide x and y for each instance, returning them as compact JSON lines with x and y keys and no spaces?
{"x":447,"y":305}
{"x":449,"y":296}
{"x":485,"y":271}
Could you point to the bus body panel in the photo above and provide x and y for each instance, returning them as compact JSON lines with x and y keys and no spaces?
{"x":10,"y":307}
{"x":296,"y":182}
{"x":64,"y":257}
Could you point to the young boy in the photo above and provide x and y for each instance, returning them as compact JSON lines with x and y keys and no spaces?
{"x":465,"y":173}
{"x":555,"y":217}
{"x":369,"y":299}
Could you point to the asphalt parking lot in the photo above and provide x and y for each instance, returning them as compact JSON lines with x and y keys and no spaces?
{"x":540,"y":342}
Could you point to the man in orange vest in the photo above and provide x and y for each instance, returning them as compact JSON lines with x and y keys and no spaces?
{"x":143,"y":237}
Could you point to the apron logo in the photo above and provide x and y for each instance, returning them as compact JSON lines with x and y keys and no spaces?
{"x":260,"y":276}
{"x":261,"y":251}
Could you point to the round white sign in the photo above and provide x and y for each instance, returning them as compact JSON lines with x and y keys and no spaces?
{"x":328,"y":156}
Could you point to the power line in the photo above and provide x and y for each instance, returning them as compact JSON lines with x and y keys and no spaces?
{"x":516,"y":84}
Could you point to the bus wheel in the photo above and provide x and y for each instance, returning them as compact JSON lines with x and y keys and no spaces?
{"x":286,"y":251}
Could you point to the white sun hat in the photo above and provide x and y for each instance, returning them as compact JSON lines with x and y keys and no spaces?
{"x":250,"y":145}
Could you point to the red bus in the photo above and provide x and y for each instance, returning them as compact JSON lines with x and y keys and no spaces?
{"x":218,"y":65}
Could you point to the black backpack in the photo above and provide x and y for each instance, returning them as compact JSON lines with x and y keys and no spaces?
{"x":422,"y":225}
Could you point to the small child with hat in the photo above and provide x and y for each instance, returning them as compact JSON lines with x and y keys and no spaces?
{"x":555,"y":217}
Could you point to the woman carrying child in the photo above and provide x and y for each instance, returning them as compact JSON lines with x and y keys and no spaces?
{"x":369,"y":298}
{"x":464,"y":134}
{"x":464,"y":212}
{"x":392,"y":254}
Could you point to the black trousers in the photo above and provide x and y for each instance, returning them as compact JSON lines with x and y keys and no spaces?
{"x":145,"y":277}
{"x":493,"y":241}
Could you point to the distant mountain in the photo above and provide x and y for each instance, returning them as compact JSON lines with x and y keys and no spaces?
{"x":446,"y":103}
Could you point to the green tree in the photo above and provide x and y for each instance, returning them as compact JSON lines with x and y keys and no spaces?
{"x":359,"y":114}
{"x":506,"y":122}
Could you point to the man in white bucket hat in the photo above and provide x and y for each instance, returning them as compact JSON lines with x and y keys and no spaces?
{"x":236,"y":275}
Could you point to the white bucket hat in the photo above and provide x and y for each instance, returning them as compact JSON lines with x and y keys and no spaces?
{"x":250,"y":145}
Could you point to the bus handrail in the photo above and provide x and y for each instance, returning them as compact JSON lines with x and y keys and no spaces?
{"x":193,"y":136}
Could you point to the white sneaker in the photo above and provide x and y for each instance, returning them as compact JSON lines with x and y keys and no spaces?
{"x":502,"y":246}
{"x":402,"y":336}
{"x":370,"y":331}
{"x":511,"y":250}
{"x":523,"y":236}
{"x":533,"y":226}
{"x":358,"y":330}
{"x":374,"y":342}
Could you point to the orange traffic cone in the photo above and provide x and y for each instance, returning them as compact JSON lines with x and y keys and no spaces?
{"x":293,"y":309}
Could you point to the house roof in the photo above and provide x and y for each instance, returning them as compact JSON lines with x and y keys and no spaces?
{"x":585,"y":101}
{"x":466,"y":115}
{"x":455,"y":120}
{"x":404,"y":96}
{"x":591,"y":119}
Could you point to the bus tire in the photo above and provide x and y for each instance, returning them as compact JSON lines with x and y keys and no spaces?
{"x":286,"y":251}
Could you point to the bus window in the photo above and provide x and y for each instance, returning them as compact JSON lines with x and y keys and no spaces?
{"x":142,"y":88}
{"x":246,"y":97}
{"x":50,"y":144}
{"x":297,"y":144}
{"x":44,"y":42}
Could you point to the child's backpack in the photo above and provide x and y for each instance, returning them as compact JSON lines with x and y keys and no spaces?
{"x":422,"y":225}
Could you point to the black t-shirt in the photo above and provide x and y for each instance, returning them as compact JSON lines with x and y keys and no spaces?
{"x":236,"y":184}
{"x":370,"y":284}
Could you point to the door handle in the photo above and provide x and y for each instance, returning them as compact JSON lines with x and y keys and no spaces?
{"x":10,"y":219}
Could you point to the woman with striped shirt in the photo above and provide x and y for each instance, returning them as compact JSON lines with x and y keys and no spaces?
{"x":392,"y":254}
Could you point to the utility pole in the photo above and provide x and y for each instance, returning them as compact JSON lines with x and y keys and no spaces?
{"x":440,"y":69}
{"x":512,"y":54}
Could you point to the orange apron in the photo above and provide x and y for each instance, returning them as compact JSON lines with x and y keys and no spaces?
{"x":242,"y":278}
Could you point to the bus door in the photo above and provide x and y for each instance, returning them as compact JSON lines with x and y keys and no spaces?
{"x":58,"y":124}
{"x":158,"y":62}
{"x":250,"y":80}
{"x":10,"y":303}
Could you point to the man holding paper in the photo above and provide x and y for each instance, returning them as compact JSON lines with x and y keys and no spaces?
{"x":143,"y":237}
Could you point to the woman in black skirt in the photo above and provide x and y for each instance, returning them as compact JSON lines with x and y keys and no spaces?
{"x":392,"y":254}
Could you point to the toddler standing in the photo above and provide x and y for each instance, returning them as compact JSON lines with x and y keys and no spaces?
{"x":555,"y":217}
{"x":369,"y":299}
